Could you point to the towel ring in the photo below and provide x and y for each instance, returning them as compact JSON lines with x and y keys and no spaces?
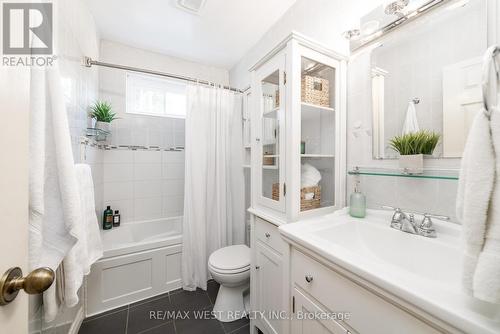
{"x":489,"y":58}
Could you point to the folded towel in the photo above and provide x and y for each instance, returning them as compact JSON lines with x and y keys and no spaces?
{"x":54,"y":198}
{"x":88,"y":248}
{"x":310,"y":176}
{"x":411,"y":122}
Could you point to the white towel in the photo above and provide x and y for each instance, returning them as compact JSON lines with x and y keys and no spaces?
{"x":411,"y":122}
{"x":88,"y":248}
{"x":474,"y":192}
{"x":486,"y":284}
{"x":309,"y":176}
{"x":54,"y":198}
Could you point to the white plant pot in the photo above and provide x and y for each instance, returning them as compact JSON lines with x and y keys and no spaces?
{"x":104,"y":126}
{"x":412,"y":164}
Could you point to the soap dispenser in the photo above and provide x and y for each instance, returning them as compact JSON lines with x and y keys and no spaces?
{"x":357,"y":202}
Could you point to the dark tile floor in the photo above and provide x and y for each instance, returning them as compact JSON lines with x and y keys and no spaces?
{"x":137,"y":318}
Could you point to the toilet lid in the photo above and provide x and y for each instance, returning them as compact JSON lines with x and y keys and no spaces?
{"x":230,"y":258}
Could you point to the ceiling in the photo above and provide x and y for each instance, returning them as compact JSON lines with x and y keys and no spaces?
{"x":220,"y":36}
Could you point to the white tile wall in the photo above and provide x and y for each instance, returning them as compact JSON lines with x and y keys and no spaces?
{"x":144,"y":184}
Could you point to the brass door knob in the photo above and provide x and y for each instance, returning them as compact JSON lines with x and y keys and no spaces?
{"x":36,"y":282}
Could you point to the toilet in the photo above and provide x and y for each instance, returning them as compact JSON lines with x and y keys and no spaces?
{"x":230,"y":267}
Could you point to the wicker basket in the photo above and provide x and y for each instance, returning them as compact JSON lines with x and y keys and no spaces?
{"x":267,"y":161}
{"x":315,"y":91}
{"x":305,"y":204}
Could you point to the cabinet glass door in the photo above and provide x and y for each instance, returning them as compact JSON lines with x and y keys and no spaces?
{"x":271,"y":136}
{"x":317,"y":147}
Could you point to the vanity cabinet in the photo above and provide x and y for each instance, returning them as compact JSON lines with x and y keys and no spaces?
{"x":298,"y":127}
{"x":269,"y":294}
{"x":318,"y":288}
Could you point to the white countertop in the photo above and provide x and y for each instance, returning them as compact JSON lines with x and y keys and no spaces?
{"x":424,"y":272}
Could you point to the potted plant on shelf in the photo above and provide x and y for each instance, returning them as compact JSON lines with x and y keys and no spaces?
{"x":101,"y":112}
{"x":412,"y":147}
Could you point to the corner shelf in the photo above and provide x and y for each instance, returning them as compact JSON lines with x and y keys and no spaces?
{"x":98,"y":134}
{"x":449,"y":174}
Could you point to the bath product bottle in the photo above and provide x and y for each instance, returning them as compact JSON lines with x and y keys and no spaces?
{"x":107,"y":219}
{"x":357,"y":206}
{"x":116,"y":218}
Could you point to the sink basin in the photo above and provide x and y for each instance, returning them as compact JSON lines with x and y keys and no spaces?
{"x":427,"y":258}
{"x":424,"y":272}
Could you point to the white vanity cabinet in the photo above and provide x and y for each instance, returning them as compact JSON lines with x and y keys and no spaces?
{"x":298,"y":119}
{"x":318,"y":288}
{"x":269,"y":294}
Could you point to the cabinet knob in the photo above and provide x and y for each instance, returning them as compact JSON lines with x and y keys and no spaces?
{"x":309,"y":278}
{"x":267,"y":235}
{"x":257,"y":267}
{"x":257,"y":139}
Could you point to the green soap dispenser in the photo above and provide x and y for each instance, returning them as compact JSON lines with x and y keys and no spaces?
{"x":357,"y":206}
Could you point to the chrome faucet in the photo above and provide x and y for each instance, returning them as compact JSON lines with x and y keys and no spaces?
{"x":406,"y":222}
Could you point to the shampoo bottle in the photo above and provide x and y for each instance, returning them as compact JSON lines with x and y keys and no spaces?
{"x":116,"y":219}
{"x":357,"y":206}
{"x":107,"y":219}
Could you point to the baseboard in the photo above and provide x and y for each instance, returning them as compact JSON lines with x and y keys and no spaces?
{"x":77,"y":322}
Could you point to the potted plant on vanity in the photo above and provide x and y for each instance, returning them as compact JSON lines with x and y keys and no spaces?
{"x":412,"y":147}
{"x":102,"y":113}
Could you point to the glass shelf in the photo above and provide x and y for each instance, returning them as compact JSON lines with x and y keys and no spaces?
{"x":427,"y":174}
{"x":98,"y":134}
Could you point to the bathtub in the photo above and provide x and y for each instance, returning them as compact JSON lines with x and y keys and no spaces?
{"x":140,"y":260}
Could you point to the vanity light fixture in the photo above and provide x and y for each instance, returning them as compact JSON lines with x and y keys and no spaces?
{"x":352,"y":34}
{"x":396,"y":7}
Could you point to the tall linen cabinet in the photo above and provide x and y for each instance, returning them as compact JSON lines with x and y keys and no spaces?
{"x":298,"y":160}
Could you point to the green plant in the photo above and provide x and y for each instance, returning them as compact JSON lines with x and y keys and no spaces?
{"x":420,"y":142}
{"x":101,"y":111}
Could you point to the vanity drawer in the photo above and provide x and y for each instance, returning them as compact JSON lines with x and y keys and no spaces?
{"x":369,"y":313}
{"x":268,"y":234}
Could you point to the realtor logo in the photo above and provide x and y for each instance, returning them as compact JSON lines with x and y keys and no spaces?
{"x":27,"y":28}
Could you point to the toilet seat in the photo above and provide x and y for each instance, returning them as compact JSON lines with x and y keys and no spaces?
{"x":230,"y":260}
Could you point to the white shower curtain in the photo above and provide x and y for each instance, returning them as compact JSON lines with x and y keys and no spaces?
{"x":214,"y":210}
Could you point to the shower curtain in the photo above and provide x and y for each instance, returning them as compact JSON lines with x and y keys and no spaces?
{"x":214,"y":210}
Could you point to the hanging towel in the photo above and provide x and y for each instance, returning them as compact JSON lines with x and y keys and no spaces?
{"x":88,"y":248}
{"x":474,"y":193}
{"x":54,"y":198}
{"x":411,"y":122}
{"x":486,"y":284}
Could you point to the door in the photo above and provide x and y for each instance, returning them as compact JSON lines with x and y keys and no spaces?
{"x":14,"y":109}
{"x":462,"y":99}
{"x":269,"y":286}
{"x":269,"y":109}
{"x":310,"y":317}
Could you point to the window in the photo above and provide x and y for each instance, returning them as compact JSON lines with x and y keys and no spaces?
{"x":150,"y":95}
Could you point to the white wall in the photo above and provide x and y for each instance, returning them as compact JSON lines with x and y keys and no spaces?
{"x":324,"y":21}
{"x":321,"y":20}
{"x":145,"y":184}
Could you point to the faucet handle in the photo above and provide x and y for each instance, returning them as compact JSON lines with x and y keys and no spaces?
{"x":430,"y":215}
{"x":426,"y":227}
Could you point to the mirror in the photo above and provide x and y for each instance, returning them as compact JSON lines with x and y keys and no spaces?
{"x":427,"y":76}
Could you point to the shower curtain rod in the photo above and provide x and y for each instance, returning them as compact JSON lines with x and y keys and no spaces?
{"x":89,"y":62}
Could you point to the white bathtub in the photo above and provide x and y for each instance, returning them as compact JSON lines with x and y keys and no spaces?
{"x":141,"y":260}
